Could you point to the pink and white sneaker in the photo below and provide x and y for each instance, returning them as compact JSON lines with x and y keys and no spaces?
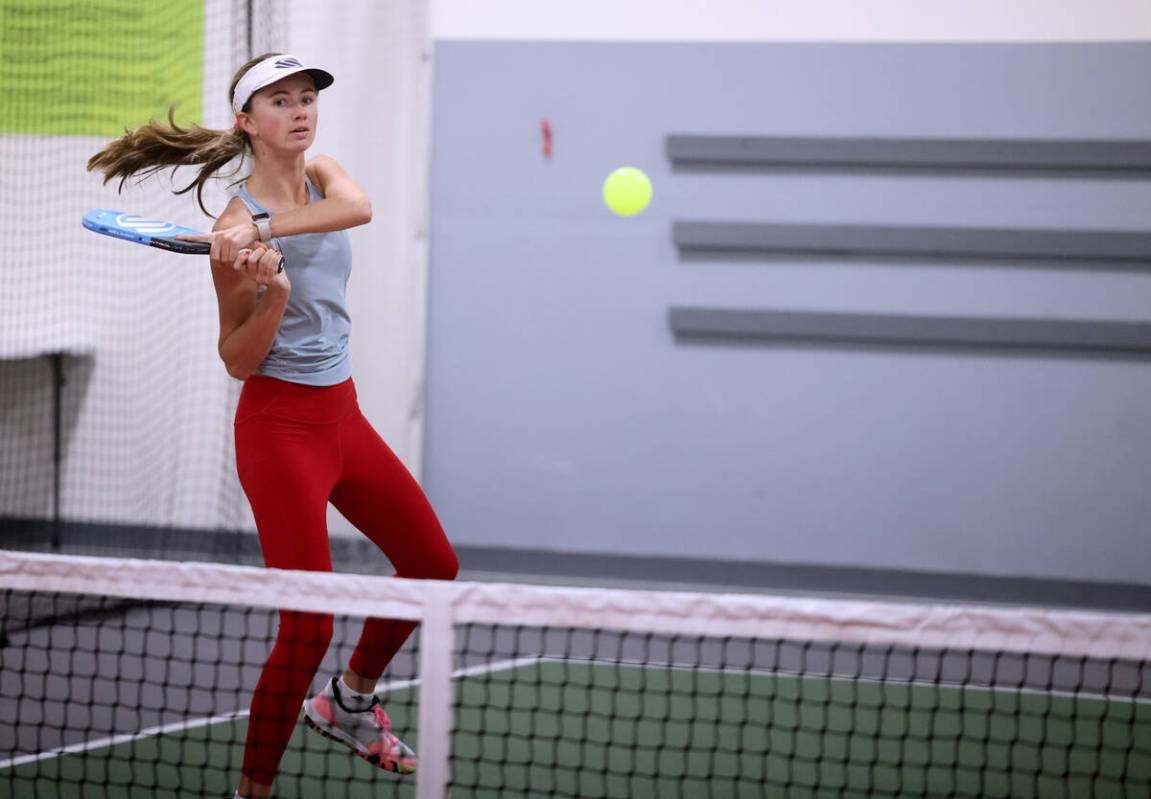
{"x":368,"y":733}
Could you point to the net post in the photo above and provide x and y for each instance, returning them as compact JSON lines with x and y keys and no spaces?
{"x":436,"y":649}
{"x":57,"y":360}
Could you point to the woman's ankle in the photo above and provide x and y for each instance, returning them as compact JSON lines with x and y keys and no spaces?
{"x":253,"y":790}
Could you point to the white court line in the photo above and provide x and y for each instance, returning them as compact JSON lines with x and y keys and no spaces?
{"x":184,"y":726}
{"x":123,"y":738}
{"x":791,"y":674}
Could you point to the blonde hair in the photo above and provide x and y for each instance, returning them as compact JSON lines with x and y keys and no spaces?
{"x":154,"y":146}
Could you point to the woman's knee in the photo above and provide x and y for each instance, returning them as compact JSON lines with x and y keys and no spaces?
{"x":448,"y":567}
{"x":443,"y":565}
{"x":307,"y":634}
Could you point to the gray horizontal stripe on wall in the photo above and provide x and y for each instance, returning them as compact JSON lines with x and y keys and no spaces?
{"x":1006,"y":154}
{"x":947,"y":242}
{"x":957,"y":331}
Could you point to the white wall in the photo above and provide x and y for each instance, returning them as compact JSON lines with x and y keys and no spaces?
{"x":795,"y":20}
{"x":375,"y":121}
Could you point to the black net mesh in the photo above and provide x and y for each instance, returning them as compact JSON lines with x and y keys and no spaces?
{"x":106,"y":697}
{"x":114,"y":407}
{"x":122,"y":696}
{"x":584,"y":713}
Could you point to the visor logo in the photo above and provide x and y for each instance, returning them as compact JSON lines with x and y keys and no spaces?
{"x":285,"y":63}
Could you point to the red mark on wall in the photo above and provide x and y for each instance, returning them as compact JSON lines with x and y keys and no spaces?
{"x":546,"y":133}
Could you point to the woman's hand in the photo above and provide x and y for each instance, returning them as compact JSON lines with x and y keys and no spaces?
{"x":227,"y":242}
{"x":263,"y":266}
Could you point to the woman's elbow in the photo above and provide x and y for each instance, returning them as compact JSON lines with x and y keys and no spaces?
{"x":234,"y":367}
{"x":365,"y":211}
{"x":237,"y":372}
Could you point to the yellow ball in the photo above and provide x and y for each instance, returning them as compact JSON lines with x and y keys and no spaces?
{"x":627,"y":191}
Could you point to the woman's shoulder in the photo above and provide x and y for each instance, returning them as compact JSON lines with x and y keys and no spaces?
{"x":318,"y":166}
{"x":324,"y":171}
{"x":321,"y":163}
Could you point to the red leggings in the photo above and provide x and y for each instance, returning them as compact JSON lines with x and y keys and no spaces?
{"x":297,"y":448}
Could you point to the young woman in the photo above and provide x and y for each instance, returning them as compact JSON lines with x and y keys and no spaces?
{"x":301,"y":440}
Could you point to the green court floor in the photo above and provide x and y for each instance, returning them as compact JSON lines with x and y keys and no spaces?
{"x":550,"y":728}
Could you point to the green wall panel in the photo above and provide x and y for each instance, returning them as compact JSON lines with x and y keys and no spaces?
{"x":93,"y":68}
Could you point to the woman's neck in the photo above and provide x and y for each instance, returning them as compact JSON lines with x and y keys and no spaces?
{"x":279,"y":185}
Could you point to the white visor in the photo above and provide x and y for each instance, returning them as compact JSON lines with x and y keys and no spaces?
{"x":269,"y":71}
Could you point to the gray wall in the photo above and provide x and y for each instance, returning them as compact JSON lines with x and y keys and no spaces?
{"x":563,"y":414}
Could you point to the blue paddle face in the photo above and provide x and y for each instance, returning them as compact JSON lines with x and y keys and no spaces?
{"x":142,"y":230}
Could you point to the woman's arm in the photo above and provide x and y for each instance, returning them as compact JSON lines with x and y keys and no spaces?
{"x":248,"y":324}
{"x":345,"y":204}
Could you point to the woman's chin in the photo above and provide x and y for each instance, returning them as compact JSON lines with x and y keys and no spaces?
{"x":297,"y":146}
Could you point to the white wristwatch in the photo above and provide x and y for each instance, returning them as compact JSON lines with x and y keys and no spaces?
{"x":263,"y":226}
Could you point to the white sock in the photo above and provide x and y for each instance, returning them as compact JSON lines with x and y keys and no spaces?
{"x":353,"y":700}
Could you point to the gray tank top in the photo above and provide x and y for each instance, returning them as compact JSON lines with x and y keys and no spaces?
{"x":311,"y":346}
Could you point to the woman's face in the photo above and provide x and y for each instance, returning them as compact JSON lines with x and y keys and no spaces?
{"x":283,"y":115}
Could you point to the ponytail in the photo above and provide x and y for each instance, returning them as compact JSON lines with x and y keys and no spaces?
{"x":153,"y":147}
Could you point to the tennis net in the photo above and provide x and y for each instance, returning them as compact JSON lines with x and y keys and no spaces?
{"x":132,"y":678}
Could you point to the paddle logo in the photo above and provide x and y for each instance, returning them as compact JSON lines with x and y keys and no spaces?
{"x":143,"y":225}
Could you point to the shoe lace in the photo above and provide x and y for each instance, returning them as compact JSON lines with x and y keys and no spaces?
{"x":382,"y":719}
